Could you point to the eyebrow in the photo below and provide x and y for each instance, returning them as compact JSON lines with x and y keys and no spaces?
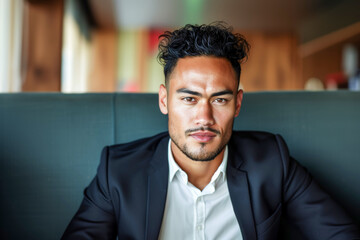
{"x":225,"y":92}
{"x":185,"y":90}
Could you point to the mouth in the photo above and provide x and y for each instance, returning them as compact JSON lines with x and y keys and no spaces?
{"x":203,"y":136}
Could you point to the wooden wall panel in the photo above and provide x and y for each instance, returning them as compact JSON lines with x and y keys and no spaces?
{"x":320,"y":64}
{"x":323,"y":56}
{"x":102,"y":76}
{"x":273,"y":62}
{"x":42,"y":45}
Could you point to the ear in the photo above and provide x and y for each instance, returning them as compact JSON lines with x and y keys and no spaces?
{"x":239,"y":97}
{"x":163,"y":99}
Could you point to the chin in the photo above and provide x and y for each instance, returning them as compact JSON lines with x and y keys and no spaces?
{"x":204,"y":154}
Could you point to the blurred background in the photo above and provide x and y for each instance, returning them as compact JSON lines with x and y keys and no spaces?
{"x":111,"y":45}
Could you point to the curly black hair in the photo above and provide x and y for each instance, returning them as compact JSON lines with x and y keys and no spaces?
{"x":215,"y":39}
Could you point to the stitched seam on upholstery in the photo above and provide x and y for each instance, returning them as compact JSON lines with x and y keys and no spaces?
{"x":114,"y":117}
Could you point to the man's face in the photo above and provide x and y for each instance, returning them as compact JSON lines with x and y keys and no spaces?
{"x":202,"y":101}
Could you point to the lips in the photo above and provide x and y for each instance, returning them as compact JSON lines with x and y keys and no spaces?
{"x":203,"y":136}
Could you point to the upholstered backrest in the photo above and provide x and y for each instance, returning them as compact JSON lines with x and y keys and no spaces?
{"x":50,"y":146}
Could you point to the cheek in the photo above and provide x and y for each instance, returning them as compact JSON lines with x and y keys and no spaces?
{"x":225,"y":118}
{"x":178,"y":119}
{"x":180,"y":113}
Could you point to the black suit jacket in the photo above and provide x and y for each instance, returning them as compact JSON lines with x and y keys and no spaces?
{"x":127,"y":197}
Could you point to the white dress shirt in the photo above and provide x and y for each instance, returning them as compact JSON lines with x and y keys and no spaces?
{"x":194,"y":214}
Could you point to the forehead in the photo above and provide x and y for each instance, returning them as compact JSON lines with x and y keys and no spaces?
{"x":204,"y":72}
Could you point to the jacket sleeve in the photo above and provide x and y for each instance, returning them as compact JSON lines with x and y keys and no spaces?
{"x":95,"y":218}
{"x":308,"y":207}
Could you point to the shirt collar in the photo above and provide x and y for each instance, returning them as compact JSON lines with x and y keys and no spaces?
{"x":174,"y":167}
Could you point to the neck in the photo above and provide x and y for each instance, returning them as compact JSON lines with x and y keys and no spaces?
{"x":199,"y":172}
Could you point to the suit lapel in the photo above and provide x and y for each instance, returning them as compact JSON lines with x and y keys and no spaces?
{"x":240,"y":196}
{"x":157,"y":190}
{"x":158,"y":175}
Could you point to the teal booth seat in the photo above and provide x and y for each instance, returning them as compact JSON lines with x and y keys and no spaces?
{"x":50,"y":146}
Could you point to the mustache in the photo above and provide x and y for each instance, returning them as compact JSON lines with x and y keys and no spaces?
{"x":202,"y":129}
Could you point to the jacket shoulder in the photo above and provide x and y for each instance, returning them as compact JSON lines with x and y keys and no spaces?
{"x":254,"y":148}
{"x":136,"y":155}
{"x":252,"y":135}
{"x":143,"y":144}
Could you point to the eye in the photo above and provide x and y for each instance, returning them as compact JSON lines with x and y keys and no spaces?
{"x":189,"y":99}
{"x":221,"y":100}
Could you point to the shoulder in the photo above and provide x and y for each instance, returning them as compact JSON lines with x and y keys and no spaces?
{"x":254,"y":148}
{"x":254,"y":135}
{"x":255,"y":139}
{"x":136,"y":153}
{"x":143,"y":144}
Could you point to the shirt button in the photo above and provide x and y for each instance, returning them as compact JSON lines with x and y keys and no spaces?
{"x":199,"y":227}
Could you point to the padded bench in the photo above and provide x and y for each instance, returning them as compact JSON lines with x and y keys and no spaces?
{"x":50,"y":145}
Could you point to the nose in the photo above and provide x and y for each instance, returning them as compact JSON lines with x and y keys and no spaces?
{"x":204,"y":115}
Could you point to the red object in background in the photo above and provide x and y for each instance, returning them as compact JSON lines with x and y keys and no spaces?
{"x":131,"y":86}
{"x":154,"y":39}
{"x":336,"y":80}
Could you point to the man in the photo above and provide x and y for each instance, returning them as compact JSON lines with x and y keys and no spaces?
{"x":201,"y":180}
